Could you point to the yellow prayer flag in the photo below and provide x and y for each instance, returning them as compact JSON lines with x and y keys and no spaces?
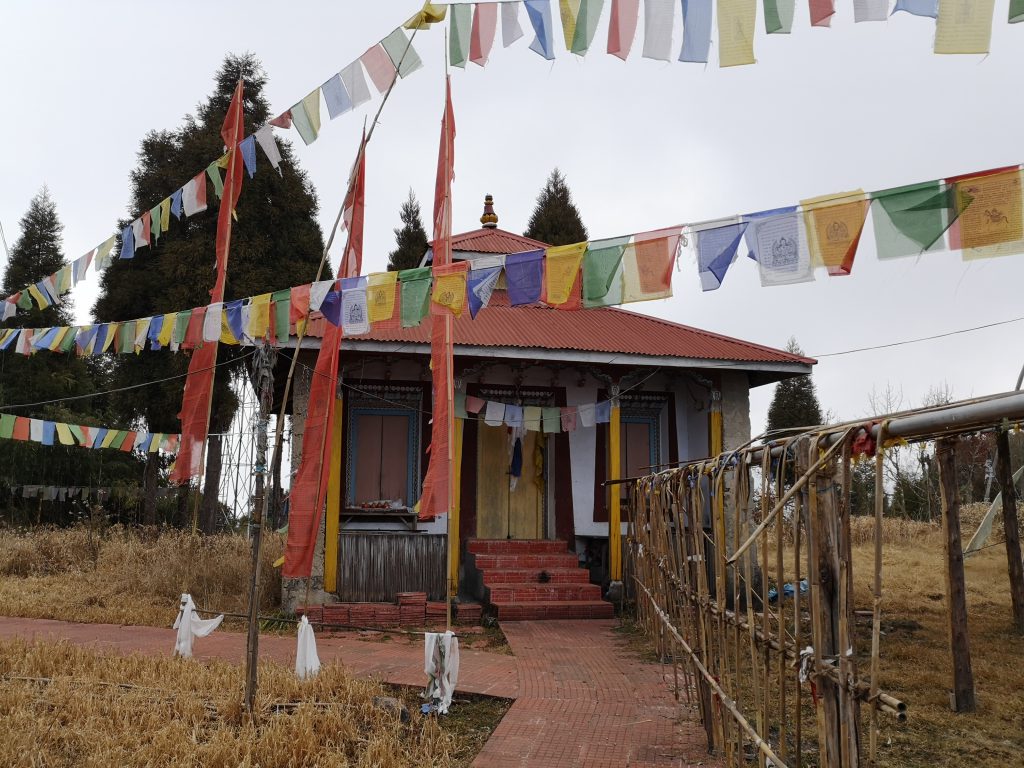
{"x":36,"y":294}
{"x":736,"y":32}
{"x":165,"y":214}
{"x":561,"y":271}
{"x":964,"y":26}
{"x":834,"y":224}
{"x":224,"y":160}
{"x":154,"y":444}
{"x":64,"y":279}
{"x":430,"y":14}
{"x":227,"y":336}
{"x":991,"y":221}
{"x":108,"y":438}
{"x":111,"y":335}
{"x":259,"y":316}
{"x":380,"y":296}
{"x":141,"y":332}
{"x":54,"y":344}
{"x":166,"y":330}
{"x":569,"y":11}
{"x":64,"y":433}
{"x":450,"y":292}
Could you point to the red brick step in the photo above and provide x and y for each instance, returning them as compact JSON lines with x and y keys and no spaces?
{"x":516,"y":547}
{"x":554,"y":609}
{"x":540,"y":562}
{"x":532,"y":575}
{"x":520,"y":593}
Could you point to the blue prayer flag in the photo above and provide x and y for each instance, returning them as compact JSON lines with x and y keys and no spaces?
{"x":929,"y":8}
{"x":331,"y":307}
{"x":336,"y":96}
{"x":176,"y":204}
{"x":49,"y":428}
{"x":603,"y":412}
{"x":233,"y":310}
{"x":696,"y":30}
{"x":524,"y":273}
{"x":248,"y":148}
{"x":481,"y":286}
{"x":155,"y":325}
{"x":101,"y":433}
{"x":716,"y":250}
{"x":539,"y":12}
{"x":127,"y":243}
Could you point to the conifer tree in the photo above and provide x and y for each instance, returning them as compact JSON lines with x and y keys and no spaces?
{"x":55,"y":381}
{"x":275,"y":243}
{"x":410,"y":238}
{"x":795,"y":402}
{"x":555,"y":219}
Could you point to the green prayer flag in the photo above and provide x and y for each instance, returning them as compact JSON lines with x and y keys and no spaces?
{"x":458,"y":37}
{"x":602,"y":272}
{"x":1016,"y":11}
{"x":126,"y":343}
{"x":180,"y":326}
{"x":552,"y":420}
{"x":25,"y":300}
{"x":68,"y":342}
{"x":282,"y":313}
{"x":778,"y":16}
{"x":415,"y":290}
{"x":154,"y":223}
{"x":911,"y":220}
{"x":6,"y":425}
{"x":76,"y":431}
{"x":586,"y":25}
{"x":213,"y":171}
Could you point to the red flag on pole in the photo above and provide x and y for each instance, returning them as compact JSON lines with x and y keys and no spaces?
{"x":309,"y":489}
{"x":436,"y":496}
{"x":195,"y":404}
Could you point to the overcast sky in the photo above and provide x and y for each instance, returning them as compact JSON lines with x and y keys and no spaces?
{"x":643,"y":144}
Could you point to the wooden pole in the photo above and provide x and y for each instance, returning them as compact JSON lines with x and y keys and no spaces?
{"x":614,"y":501}
{"x":962,"y":696}
{"x":265,"y":356}
{"x":876,"y":608}
{"x":1011,"y":530}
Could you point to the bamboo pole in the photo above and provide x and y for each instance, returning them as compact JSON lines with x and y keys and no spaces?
{"x":797,"y":621}
{"x":780,"y":580}
{"x":876,"y":607}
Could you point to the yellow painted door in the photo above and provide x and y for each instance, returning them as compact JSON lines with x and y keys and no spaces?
{"x":499,"y":513}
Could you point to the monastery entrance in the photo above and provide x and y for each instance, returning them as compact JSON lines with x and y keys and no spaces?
{"x":503,"y":510}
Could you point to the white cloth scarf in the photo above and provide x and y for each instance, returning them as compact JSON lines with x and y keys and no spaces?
{"x":190,"y":626}
{"x":441,"y":663}
{"x":307,"y":661}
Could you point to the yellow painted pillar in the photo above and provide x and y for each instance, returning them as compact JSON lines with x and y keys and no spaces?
{"x":716,"y":441}
{"x":453,"y":522}
{"x":333,"y":503}
{"x":615,"y":494}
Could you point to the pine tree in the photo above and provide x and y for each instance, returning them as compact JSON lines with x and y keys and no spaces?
{"x":555,"y":219}
{"x":410,"y":238}
{"x":795,"y":402}
{"x":56,"y":381}
{"x":275,"y":243}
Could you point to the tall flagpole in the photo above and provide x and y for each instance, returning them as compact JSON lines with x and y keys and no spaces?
{"x":448,"y":351}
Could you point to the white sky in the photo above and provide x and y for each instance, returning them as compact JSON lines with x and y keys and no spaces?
{"x":643,"y":144}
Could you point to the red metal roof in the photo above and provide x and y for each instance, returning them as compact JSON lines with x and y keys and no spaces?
{"x":486,"y":240}
{"x":591,"y":330}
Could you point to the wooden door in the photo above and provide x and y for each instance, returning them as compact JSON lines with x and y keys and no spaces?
{"x":499,"y":512}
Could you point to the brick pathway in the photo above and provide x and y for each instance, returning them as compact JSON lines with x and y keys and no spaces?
{"x":581,"y":698}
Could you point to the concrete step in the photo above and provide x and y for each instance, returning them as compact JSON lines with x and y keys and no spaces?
{"x":516,"y":547}
{"x":528,"y":561}
{"x":532,"y":575}
{"x":554,"y":609}
{"x":532,"y":593}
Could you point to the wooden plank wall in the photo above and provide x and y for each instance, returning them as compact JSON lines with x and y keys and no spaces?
{"x":374,"y":566}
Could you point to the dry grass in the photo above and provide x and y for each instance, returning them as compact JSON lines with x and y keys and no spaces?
{"x":171,"y":712}
{"x":128,"y":577}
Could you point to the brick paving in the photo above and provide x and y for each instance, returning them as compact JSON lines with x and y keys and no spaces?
{"x":581,"y":698}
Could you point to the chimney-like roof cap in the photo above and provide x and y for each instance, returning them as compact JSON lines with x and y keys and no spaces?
{"x":490,"y":219}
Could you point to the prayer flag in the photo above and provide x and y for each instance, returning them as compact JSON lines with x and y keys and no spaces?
{"x":248,"y":149}
{"x":232,"y":327}
{"x":212,"y":321}
{"x":353,"y":211}
{"x":213,"y":173}
{"x":193,"y":195}
{"x":154,"y":222}
{"x":141,"y":333}
{"x":415,"y":284}
{"x":431,"y":13}
{"x":532,"y":416}
{"x":911,"y":220}
{"x":778,"y":247}
{"x":460,"y":23}
{"x":552,"y":420}
{"x":49,"y":429}
{"x":318,"y":292}
{"x":778,"y":16}
{"x":483,"y":277}
{"x":6,"y":425}
{"x":622,"y":27}
{"x":127,"y":243}
{"x":1016,"y":11}
{"x":474,"y":404}
{"x":265,"y":138}
{"x":603,"y":412}
{"x":494,"y":416}
{"x":306,"y":117}
{"x":822,"y":12}
{"x":928,"y":8}
{"x":39,"y":293}
{"x":300,"y":298}
{"x":449,"y":294}
{"x":964,"y":26}
{"x":379,"y":67}
{"x":991,"y":219}
{"x":336,"y":97}
{"x":402,"y":54}
{"x":539,"y":12}
{"x":259,"y":316}
{"x":510,"y":29}
{"x":696,"y":30}
{"x":282,"y":312}
{"x":561,"y":270}
{"x":460,"y":406}
{"x":659,"y":16}
{"x":64,"y":436}
{"x":602,"y":272}
{"x":165,"y":214}
{"x":647,"y":265}
{"x":736,"y":19}
{"x":141,"y":230}
{"x":513,"y":416}
{"x":524,"y":274}
{"x":716,"y":246}
{"x":380,"y":296}
{"x":331,"y":306}
{"x":870,"y":10}
{"x":354,"y":312}
{"x":485,"y":22}
{"x":585,"y":26}
{"x":284,"y":120}
{"x":834,"y":228}
{"x":181,"y":325}
{"x":569,"y":10}
{"x":568,"y":418}
{"x":355,"y":83}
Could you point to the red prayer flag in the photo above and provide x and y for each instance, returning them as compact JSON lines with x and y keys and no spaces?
{"x":309,"y":489}
{"x":22,"y":428}
{"x":436,"y":496}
